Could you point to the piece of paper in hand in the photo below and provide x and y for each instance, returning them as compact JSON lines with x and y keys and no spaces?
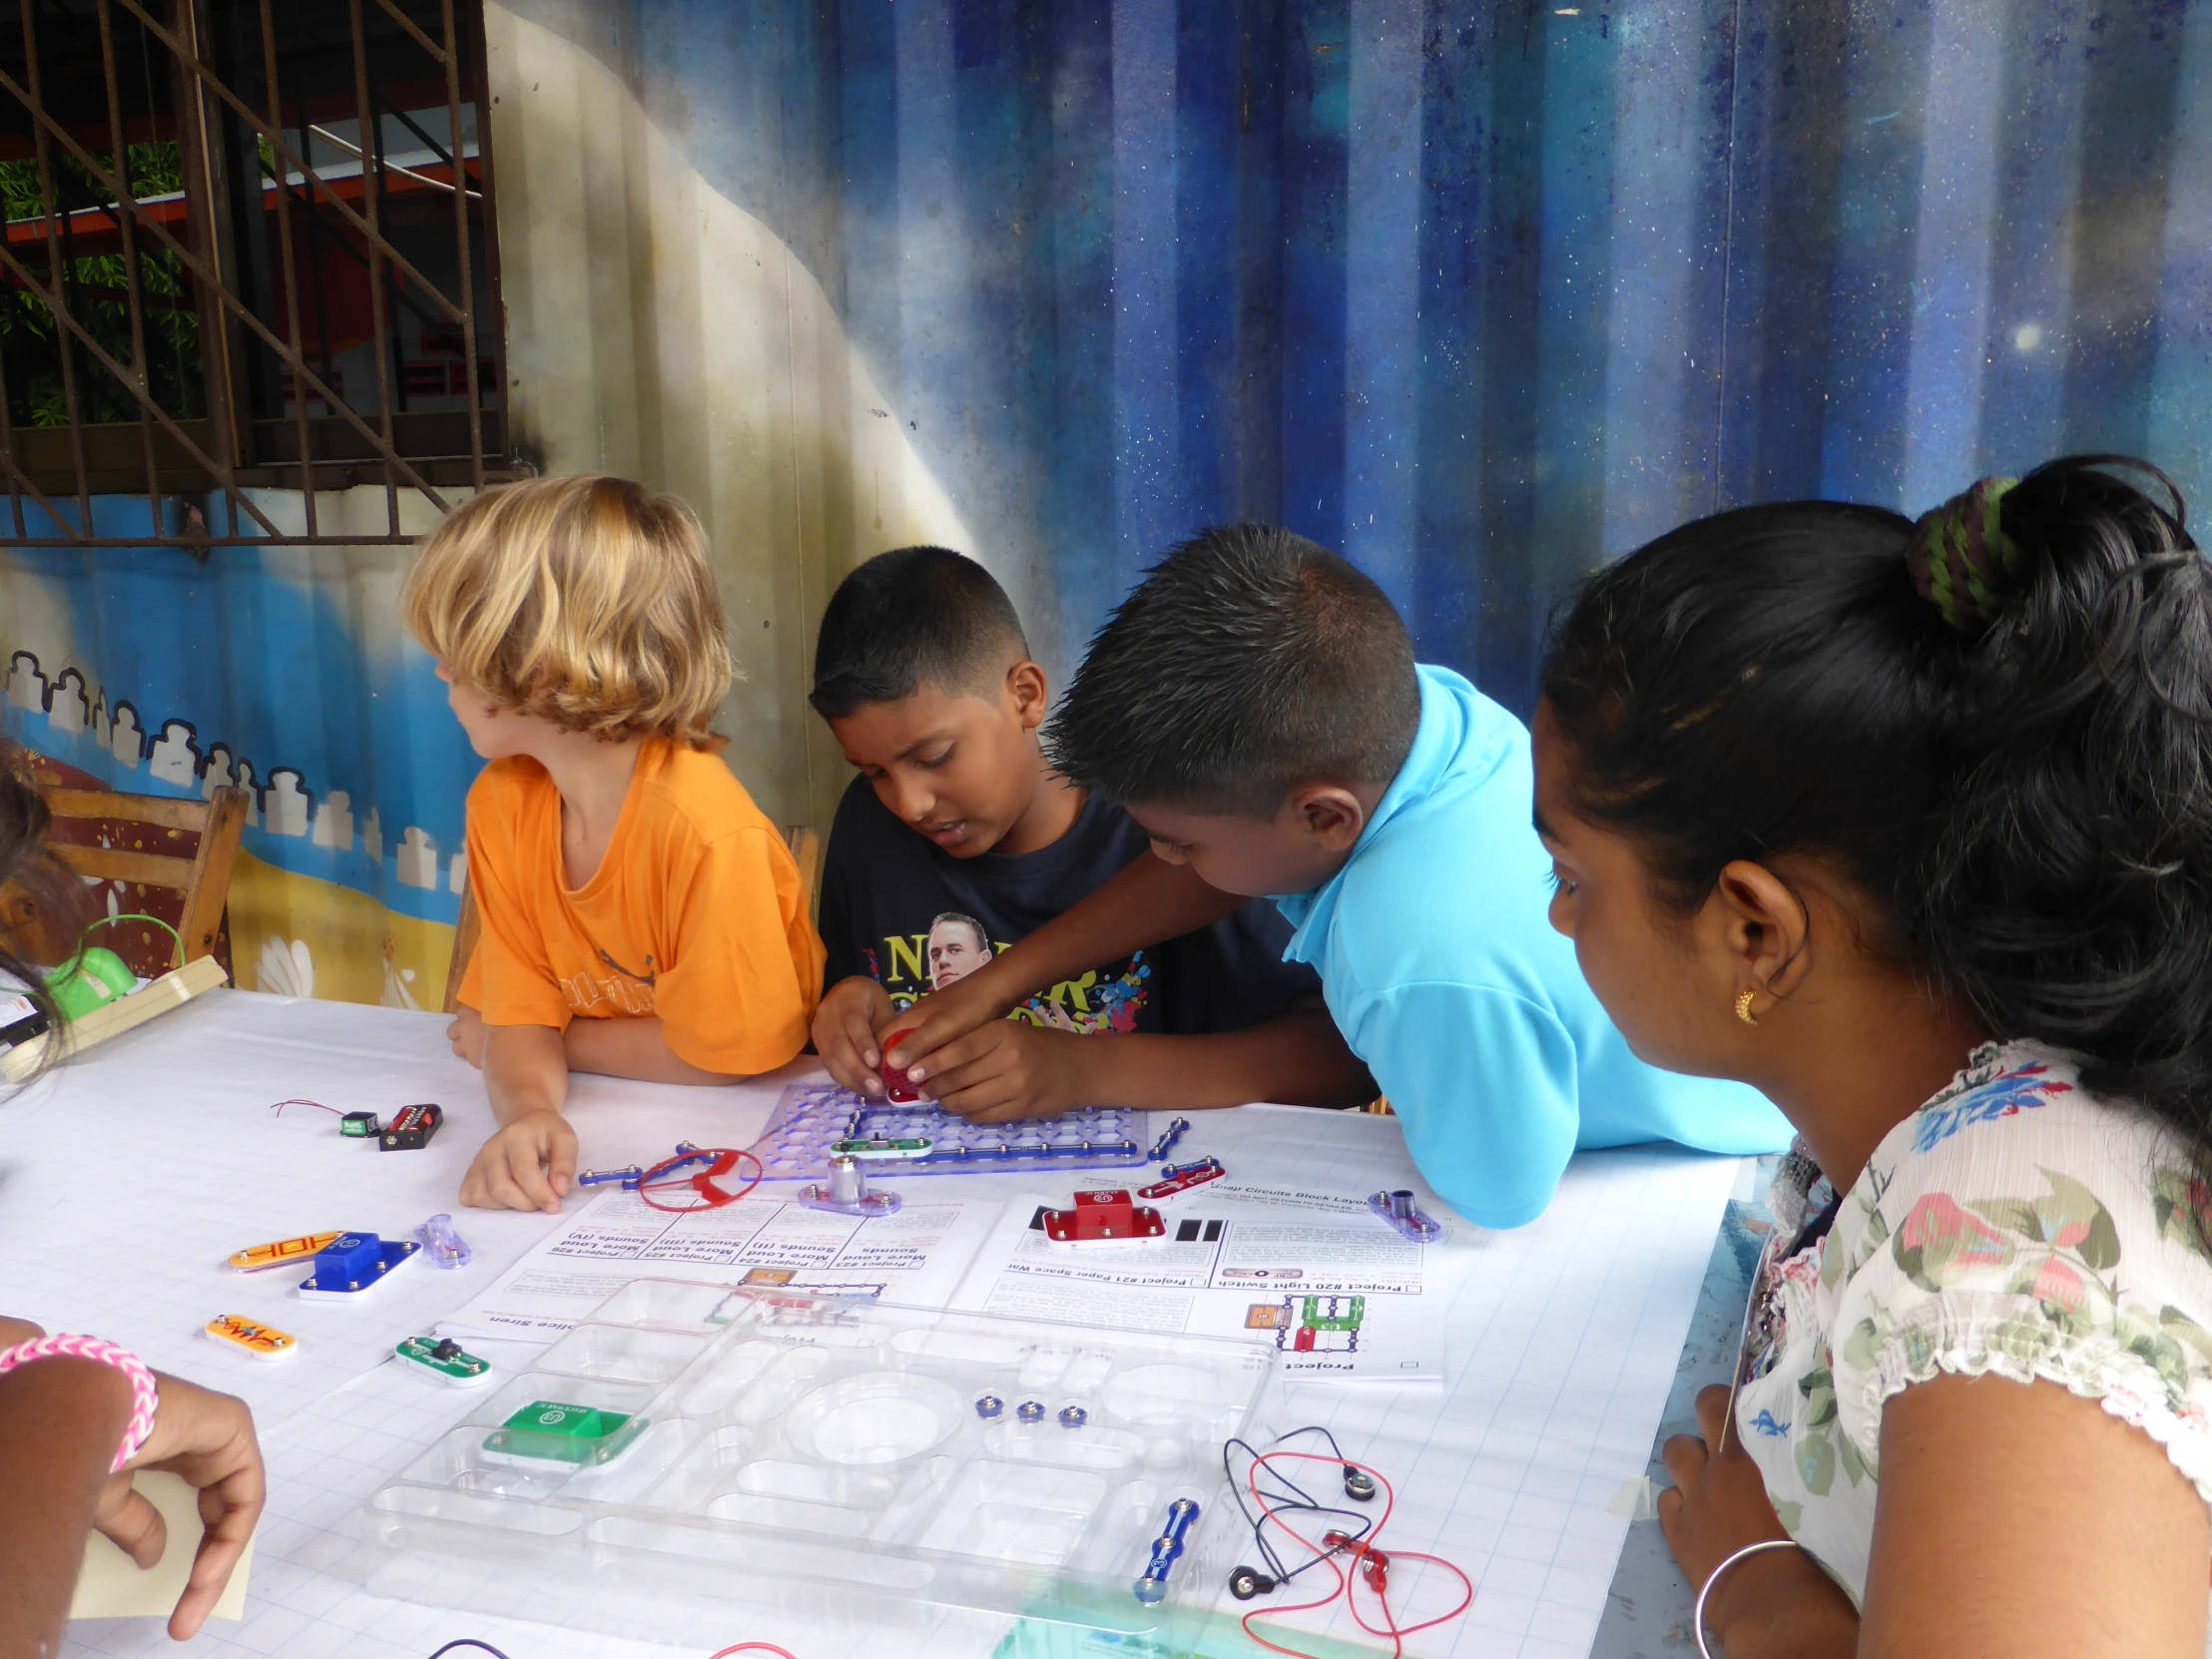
{"x":110,"y":1584}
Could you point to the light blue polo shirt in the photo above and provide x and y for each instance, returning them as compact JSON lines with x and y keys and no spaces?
{"x":1447,"y":977}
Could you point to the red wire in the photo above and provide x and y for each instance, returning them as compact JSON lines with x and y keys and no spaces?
{"x":712,"y":1200}
{"x":1390,"y":1626}
{"x":752,"y":1647}
{"x":316,"y":1104}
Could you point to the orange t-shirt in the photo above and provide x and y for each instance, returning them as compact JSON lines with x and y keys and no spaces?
{"x":694,"y":915}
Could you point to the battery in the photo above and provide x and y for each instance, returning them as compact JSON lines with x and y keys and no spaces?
{"x":361,"y":1125}
{"x":411,"y":1128}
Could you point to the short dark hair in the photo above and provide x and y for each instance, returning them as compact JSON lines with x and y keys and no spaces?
{"x":982,"y":937}
{"x":912,"y":617}
{"x":1249,"y":661}
{"x":2024,"y":793}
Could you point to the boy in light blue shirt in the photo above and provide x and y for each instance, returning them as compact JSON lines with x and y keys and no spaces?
{"x":1256,"y":706}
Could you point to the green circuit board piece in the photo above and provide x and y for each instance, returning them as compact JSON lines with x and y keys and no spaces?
{"x":878,"y":1147}
{"x":562,"y":1434}
{"x":443,"y":1356}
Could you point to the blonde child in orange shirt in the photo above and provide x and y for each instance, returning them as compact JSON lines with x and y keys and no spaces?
{"x":641,"y":916}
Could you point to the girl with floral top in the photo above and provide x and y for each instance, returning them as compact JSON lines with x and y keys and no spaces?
{"x":1911,"y":828}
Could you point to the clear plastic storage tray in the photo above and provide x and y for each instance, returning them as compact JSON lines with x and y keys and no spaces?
{"x":826,"y":1458}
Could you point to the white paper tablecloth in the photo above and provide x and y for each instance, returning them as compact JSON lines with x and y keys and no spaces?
{"x":127,"y":1177}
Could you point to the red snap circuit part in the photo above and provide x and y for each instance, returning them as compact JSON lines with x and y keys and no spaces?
{"x":896,"y":1084}
{"x":1177,"y":1178}
{"x":1100,"y":1216}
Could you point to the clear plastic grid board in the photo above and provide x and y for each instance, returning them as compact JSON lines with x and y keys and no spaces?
{"x":692,"y":1450}
{"x":811,"y":1118}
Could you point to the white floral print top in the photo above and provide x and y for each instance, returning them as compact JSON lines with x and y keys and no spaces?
{"x":2015,"y":1224}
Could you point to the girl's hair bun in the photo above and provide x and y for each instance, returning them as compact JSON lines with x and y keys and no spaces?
{"x":1961,"y":560}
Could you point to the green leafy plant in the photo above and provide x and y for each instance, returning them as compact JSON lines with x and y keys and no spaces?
{"x":95,"y":289}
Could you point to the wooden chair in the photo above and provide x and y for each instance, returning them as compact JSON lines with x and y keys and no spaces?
{"x":806,"y":847}
{"x":141,"y":841}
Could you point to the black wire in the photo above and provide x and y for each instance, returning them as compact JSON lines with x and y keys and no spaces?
{"x":1298,"y":1501}
{"x":468,"y":1641}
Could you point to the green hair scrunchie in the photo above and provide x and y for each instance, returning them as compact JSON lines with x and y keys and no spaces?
{"x":1961,"y":560}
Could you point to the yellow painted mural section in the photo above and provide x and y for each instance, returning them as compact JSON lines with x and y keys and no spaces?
{"x":299,"y":935}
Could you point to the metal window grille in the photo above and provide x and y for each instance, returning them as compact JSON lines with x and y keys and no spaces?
{"x":249,"y":244}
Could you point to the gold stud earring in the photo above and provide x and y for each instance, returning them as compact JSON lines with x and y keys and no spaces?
{"x":1743,"y":1008}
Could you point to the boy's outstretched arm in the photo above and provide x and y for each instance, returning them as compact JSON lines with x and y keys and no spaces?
{"x":1149,"y":902}
{"x":634,"y":1046}
{"x":1010,"y":1069}
{"x":531,"y":1161}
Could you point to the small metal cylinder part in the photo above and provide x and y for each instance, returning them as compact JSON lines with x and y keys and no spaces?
{"x":1401,"y":1203}
{"x":846,"y":1184}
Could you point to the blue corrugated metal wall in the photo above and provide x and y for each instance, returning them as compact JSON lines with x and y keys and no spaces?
{"x":1479,"y":294}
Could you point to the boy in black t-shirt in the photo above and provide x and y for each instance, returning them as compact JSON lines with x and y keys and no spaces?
{"x":957,"y":839}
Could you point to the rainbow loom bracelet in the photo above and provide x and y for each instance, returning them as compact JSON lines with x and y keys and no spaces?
{"x":145,"y":1399}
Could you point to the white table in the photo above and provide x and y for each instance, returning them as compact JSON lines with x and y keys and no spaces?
{"x":128,"y":1176}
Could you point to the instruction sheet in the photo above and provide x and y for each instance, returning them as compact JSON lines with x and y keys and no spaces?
{"x":913,"y":1257}
{"x":1338,"y":1291}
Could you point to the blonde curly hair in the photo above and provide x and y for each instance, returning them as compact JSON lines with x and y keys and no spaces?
{"x":586,"y":600}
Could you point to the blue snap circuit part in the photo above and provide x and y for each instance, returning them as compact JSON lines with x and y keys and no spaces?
{"x":357,"y":1263}
{"x":1174,"y":1132}
{"x":345,"y":1264}
{"x":626,"y":1178}
{"x":1030,"y":1410}
{"x":1152,"y":1586}
{"x":1073,"y":1416}
{"x":988,"y":1407}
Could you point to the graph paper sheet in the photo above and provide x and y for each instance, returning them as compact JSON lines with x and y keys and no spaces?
{"x":126,"y":1180}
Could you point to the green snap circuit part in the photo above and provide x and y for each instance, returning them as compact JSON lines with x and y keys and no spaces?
{"x":561,"y":1432}
{"x":445,"y":1356}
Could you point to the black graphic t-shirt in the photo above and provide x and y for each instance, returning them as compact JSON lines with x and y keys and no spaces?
{"x":910,"y":915}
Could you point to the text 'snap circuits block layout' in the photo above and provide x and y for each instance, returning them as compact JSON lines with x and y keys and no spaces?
{"x":811,"y":1120}
{"x":692,"y":1450}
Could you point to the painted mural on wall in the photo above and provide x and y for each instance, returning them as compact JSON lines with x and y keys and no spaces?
{"x":1480,"y":291}
{"x":282,"y":672}
{"x":1480,"y":294}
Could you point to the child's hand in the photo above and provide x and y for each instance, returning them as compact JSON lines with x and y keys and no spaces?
{"x":1009,"y":1069}
{"x":845,"y":1032}
{"x":942,"y":1017}
{"x":208,"y":1438}
{"x":528,"y":1165}
{"x":466,"y":1035}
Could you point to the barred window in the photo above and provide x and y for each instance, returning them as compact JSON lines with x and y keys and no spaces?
{"x":249,"y":246}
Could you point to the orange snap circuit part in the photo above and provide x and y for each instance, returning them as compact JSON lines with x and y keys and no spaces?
{"x":262,"y":1342}
{"x":1102,"y":1216}
{"x":283,"y":1252}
